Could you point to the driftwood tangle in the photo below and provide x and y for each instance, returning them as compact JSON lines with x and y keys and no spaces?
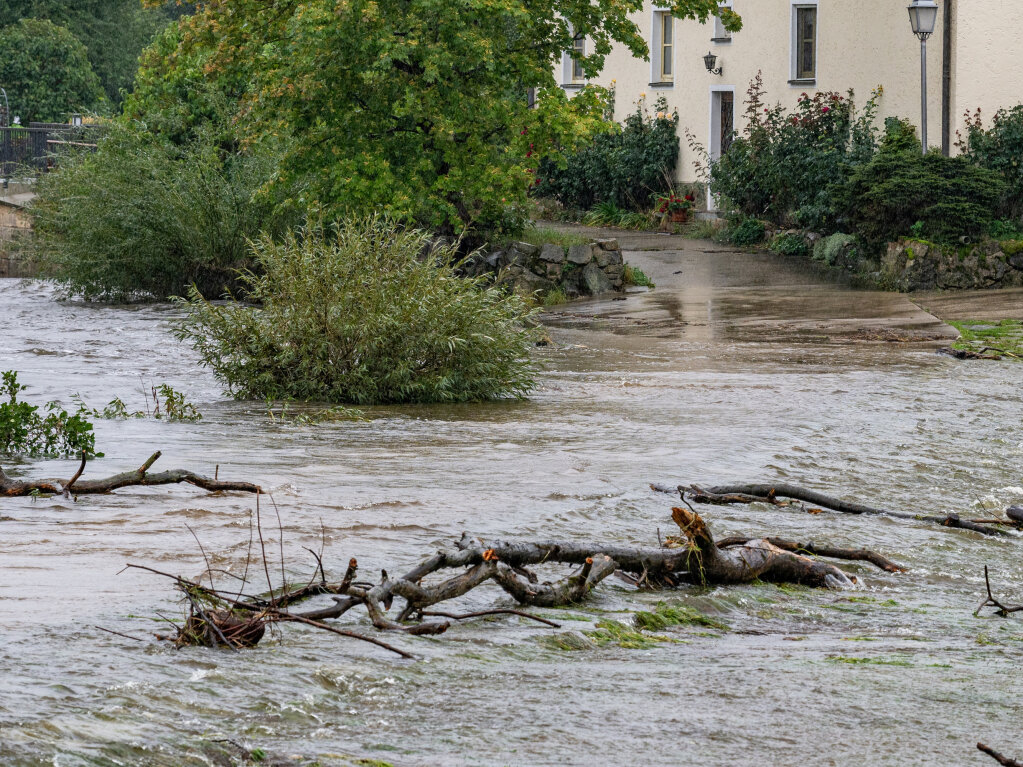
{"x":229,"y":617}
{"x":140,"y":477}
{"x":775,"y":495}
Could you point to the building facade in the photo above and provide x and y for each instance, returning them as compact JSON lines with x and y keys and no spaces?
{"x":974,"y":59}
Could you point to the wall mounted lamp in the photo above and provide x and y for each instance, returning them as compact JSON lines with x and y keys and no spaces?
{"x":709,"y":61}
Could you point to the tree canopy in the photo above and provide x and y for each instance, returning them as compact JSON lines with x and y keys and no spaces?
{"x":45,"y":71}
{"x":415,"y":107}
{"x":113,"y":32}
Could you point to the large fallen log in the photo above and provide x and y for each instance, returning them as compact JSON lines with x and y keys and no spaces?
{"x":235,"y":619}
{"x":140,"y":477}
{"x":775,"y":495}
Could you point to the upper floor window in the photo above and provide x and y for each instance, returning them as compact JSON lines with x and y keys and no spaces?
{"x":579,"y":46}
{"x":662,"y":48}
{"x":667,"y":47}
{"x":721,"y":35}
{"x":804,"y":42}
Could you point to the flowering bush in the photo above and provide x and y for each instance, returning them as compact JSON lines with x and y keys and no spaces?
{"x":999,"y":148}
{"x":673,"y":203}
{"x":781,"y":167}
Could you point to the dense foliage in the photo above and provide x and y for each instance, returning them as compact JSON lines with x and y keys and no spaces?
{"x":363,"y":313}
{"x":50,"y":432}
{"x":113,"y":33}
{"x":414,"y":107}
{"x":145,"y":218}
{"x":46,"y":72}
{"x":901,"y":191}
{"x":780,"y":169}
{"x":628,"y":166}
{"x":822,"y":166}
{"x":999,"y":148}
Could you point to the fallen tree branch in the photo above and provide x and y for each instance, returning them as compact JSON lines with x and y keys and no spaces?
{"x":235,"y":619}
{"x":1003,"y":760}
{"x":832,"y":552}
{"x":990,"y":601}
{"x":12,"y":488}
{"x":774,"y":495}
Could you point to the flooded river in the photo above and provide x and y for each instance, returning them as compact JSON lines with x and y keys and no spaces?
{"x":724,"y":373}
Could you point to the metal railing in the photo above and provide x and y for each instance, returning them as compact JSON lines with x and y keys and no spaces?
{"x":37,"y":148}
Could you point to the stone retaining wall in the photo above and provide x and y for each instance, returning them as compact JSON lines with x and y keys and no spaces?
{"x":14,"y":224}
{"x":579,"y":270}
{"x":918,"y":265}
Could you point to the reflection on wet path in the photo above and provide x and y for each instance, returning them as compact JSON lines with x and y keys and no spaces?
{"x":896,"y":673}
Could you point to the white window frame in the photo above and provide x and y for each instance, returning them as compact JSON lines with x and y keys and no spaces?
{"x":721,"y":35}
{"x":714,"y":133}
{"x":794,"y":78}
{"x":569,"y":76}
{"x":657,"y":74}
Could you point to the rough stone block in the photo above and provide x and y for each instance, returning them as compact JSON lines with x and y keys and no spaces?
{"x":532,"y":282}
{"x":554,"y":272}
{"x":552,"y":254}
{"x":525,"y":248}
{"x":580,"y":254}
{"x":614,"y":272}
{"x":594,"y":281}
{"x":611,"y":244}
{"x":514,"y":258}
{"x":608,"y":258}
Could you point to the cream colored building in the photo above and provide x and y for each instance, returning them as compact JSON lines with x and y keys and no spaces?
{"x":803,"y":46}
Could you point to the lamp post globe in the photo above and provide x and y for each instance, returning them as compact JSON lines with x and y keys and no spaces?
{"x":923,"y":14}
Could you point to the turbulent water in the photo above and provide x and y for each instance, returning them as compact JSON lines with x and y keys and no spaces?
{"x":898,"y":672}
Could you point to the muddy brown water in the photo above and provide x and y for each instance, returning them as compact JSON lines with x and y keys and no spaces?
{"x":739,"y":368}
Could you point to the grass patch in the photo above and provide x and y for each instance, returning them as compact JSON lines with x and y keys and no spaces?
{"x":1006,"y":336}
{"x":609,"y":214}
{"x":541,"y":235}
{"x":634,"y":276}
{"x":700,"y":229}
{"x":665,"y":615}
{"x":554,"y":297}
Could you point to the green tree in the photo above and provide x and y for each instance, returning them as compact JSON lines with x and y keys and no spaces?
{"x":114,"y":32}
{"x":417,"y":107}
{"x":46,"y":72}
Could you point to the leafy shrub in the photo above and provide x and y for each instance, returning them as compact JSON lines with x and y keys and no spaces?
{"x":782,"y":166}
{"x":633,"y":275}
{"x":1005,"y":229}
{"x":363,"y":313}
{"x":744,"y":232}
{"x":828,"y":249}
{"x":999,"y":148}
{"x":26,"y":431}
{"x":143,"y":218}
{"x":950,"y":197}
{"x":625,"y":167}
{"x":790,"y":245}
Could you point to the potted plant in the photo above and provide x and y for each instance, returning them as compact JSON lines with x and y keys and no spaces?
{"x":677,"y":207}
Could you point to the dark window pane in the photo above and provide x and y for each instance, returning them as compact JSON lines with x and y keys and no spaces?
{"x":806,"y":42}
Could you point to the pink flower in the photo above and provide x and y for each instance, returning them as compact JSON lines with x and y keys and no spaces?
{"x":825,"y":109}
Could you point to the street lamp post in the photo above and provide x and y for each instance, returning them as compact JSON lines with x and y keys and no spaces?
{"x":922,"y":16}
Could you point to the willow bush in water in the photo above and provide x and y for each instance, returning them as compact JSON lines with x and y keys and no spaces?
{"x":143,"y":218}
{"x":363,"y":312}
